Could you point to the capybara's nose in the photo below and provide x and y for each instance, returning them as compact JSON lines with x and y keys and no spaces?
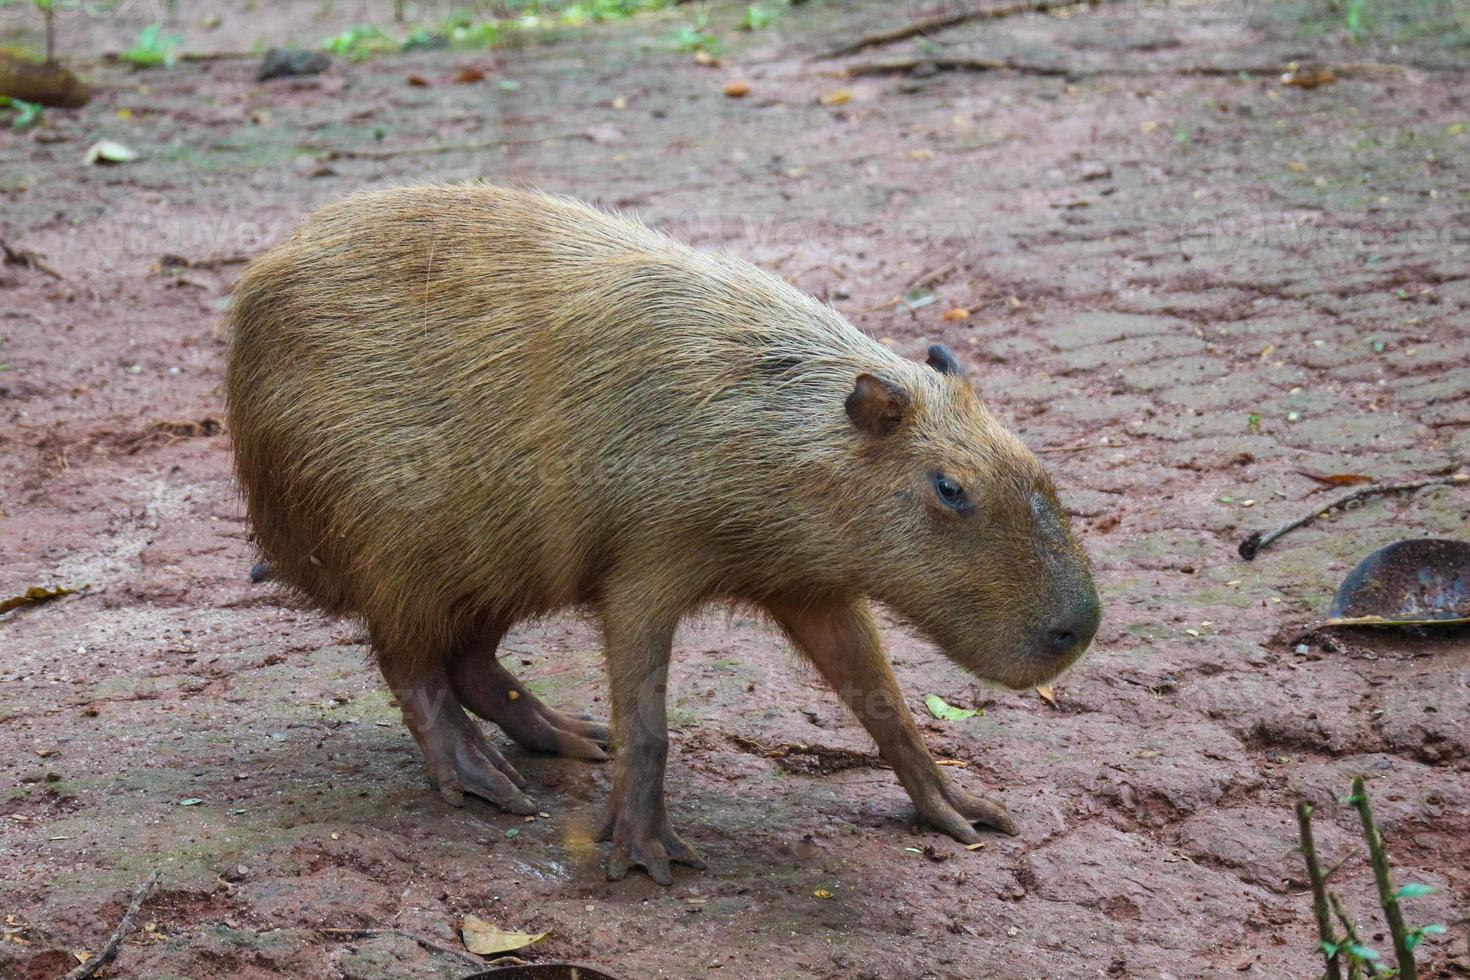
{"x":1074,"y":630}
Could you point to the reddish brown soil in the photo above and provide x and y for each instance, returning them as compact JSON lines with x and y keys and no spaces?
{"x":1183,"y":290}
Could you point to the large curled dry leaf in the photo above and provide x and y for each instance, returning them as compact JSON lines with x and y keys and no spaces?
{"x":483,"y":939}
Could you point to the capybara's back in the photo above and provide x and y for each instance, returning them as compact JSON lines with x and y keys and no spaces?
{"x":456,"y":407}
{"x":456,"y":402}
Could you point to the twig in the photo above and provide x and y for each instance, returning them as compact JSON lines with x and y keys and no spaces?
{"x":27,"y":259}
{"x":114,"y":942}
{"x":1319,"y":891}
{"x":1253,"y":545}
{"x":1351,"y":938}
{"x":902,"y":66}
{"x":944,"y":21}
{"x":473,"y":147}
{"x":1386,"y":897}
{"x":426,"y":943}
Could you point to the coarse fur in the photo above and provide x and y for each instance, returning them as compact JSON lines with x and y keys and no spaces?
{"x":454,"y":405}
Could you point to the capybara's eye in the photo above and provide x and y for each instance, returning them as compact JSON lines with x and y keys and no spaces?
{"x":951,"y":493}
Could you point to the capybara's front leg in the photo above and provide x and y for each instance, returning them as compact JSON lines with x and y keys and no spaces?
{"x":459,"y":758}
{"x":492,"y":692}
{"x":842,"y":641}
{"x":637,"y":822}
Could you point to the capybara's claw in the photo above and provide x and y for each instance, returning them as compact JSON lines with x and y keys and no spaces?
{"x":652,"y":848}
{"x":654,"y":855}
{"x":954,"y":812}
{"x":459,"y":758}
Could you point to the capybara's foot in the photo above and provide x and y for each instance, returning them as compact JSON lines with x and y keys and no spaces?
{"x":954,"y":812}
{"x":647,"y":843}
{"x":493,"y":693}
{"x":459,"y":758}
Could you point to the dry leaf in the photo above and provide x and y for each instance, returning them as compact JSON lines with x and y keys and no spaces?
{"x":840,"y":96}
{"x":418,"y":81}
{"x":34,"y":596}
{"x":737,"y":89}
{"x":106,"y":151}
{"x":821,"y":893}
{"x":1047,"y":694}
{"x":483,"y":939}
{"x":1336,"y":479}
{"x":1309,"y":76}
{"x":468,"y":76}
{"x":958,"y":313}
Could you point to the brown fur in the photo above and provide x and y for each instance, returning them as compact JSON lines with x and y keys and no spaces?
{"x":454,"y":405}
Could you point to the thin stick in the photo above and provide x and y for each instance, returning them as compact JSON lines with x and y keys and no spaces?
{"x":50,"y":13}
{"x":1253,"y":545}
{"x":945,"y":21}
{"x":1319,"y":890}
{"x":1386,"y":897}
{"x":114,"y":942}
{"x":1355,"y":969}
{"x":27,"y":259}
{"x":428,"y":944}
{"x":902,"y":66}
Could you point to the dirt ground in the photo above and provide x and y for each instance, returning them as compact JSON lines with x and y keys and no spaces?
{"x":1185,"y":287}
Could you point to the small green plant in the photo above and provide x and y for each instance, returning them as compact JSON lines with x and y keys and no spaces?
{"x":27,"y":114}
{"x":153,"y":48}
{"x":1362,"y":961}
{"x":1354,"y":15}
{"x":696,"y":37}
{"x":1253,"y":422}
{"x":358,"y":42}
{"x":757,"y":18}
{"x":48,"y":11}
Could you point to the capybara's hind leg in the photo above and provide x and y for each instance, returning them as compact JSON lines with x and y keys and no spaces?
{"x":484,"y":686}
{"x":459,"y":758}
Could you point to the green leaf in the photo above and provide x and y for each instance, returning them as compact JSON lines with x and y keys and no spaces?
{"x":1414,"y":890}
{"x":1329,"y":948}
{"x":944,"y":711}
{"x":1433,"y":930}
{"x":191,"y":801}
{"x":1358,"y":952}
{"x":513,"y":833}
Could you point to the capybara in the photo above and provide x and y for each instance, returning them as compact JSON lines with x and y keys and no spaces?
{"x":459,"y":407}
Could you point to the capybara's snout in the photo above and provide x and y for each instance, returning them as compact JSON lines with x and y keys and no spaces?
{"x":1067,"y":635}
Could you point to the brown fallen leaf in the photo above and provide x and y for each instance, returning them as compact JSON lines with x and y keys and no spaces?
{"x":958,"y":313}
{"x":1336,"y":479}
{"x":34,"y":596}
{"x":1047,"y":694}
{"x":1308,"y":76}
{"x":469,"y":76}
{"x":418,"y":81}
{"x":481,"y":938}
{"x":737,"y":89}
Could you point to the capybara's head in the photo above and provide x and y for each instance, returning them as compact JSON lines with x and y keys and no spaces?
{"x":972,"y":545}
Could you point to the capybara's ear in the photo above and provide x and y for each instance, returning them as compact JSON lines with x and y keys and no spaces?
{"x":877,"y":406}
{"x":942,"y":359}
